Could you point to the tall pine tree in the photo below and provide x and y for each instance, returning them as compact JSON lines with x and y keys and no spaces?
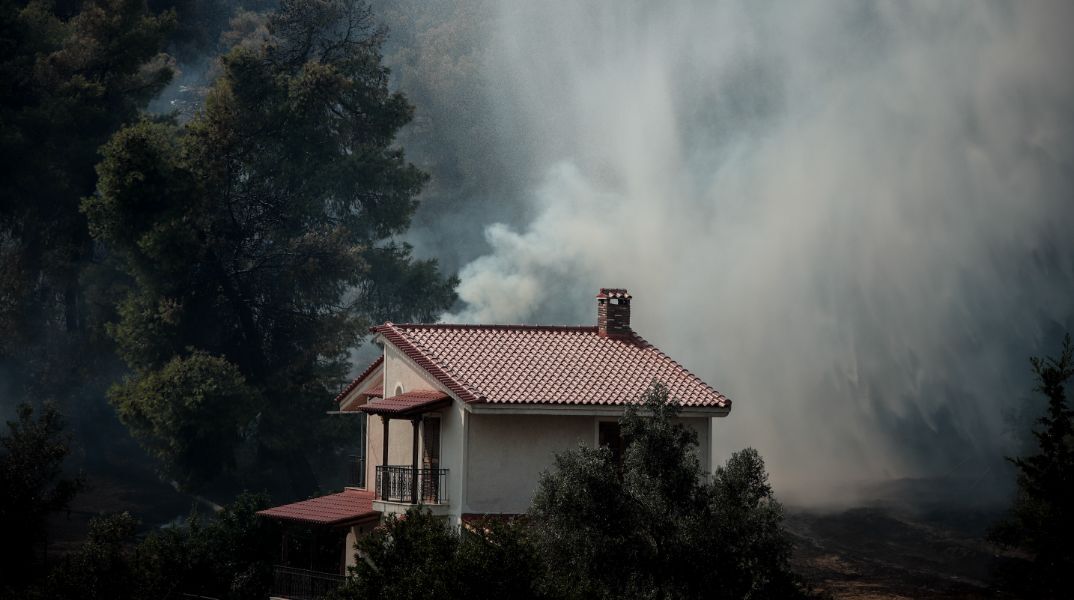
{"x":71,"y":74}
{"x":261,"y":241}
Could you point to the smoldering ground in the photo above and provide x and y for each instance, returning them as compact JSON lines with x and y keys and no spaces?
{"x":852,"y":218}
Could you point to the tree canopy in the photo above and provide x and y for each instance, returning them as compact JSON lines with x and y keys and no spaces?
{"x":227,"y":556}
{"x":262,"y":234}
{"x":71,"y":74}
{"x":421,"y":556}
{"x":656,"y":527}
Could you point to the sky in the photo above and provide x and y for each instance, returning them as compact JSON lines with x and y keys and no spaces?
{"x":852,"y":218}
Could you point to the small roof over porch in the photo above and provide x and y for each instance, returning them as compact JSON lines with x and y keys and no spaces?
{"x":407,"y":405}
{"x":334,"y":510}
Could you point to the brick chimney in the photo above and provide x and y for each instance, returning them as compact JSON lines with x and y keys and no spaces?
{"x":613,"y":312}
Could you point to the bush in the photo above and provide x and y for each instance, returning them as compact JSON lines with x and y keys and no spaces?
{"x":657,"y":529}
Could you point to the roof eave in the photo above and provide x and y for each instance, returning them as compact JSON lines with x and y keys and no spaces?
{"x":517,"y":408}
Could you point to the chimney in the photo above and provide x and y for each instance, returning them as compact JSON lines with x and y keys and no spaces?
{"x":613,"y":312}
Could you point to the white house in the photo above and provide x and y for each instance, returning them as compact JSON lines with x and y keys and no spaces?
{"x":464,"y":418}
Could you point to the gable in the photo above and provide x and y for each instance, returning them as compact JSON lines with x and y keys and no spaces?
{"x":363,"y":387}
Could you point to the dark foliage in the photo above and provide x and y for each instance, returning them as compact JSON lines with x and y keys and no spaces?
{"x":31,"y":468}
{"x":260,"y":237}
{"x":228,"y":556}
{"x":658,"y":529}
{"x":1041,"y":520}
{"x":71,"y":74}
{"x":421,"y":556}
{"x":200,"y":24}
{"x":101,"y":568}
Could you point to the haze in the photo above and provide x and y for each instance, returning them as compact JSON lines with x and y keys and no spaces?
{"x":852,"y":218}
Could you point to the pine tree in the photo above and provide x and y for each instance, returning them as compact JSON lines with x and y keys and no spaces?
{"x":261,"y":242}
{"x":1041,"y":520}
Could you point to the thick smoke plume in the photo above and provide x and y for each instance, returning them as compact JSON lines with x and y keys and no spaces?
{"x":852,"y":218}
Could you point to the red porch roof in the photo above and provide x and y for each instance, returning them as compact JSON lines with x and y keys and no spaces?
{"x":407,"y":404}
{"x":345,"y":508}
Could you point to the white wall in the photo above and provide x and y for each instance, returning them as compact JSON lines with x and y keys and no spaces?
{"x":703,"y":427}
{"x":400,"y":449}
{"x":506,"y":454}
{"x":398,"y":372}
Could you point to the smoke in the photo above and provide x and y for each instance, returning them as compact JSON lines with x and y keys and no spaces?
{"x":852,"y":218}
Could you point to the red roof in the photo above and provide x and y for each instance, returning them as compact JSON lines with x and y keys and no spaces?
{"x":409,"y":403}
{"x":358,"y":380}
{"x":344,"y":508}
{"x":509,"y":364}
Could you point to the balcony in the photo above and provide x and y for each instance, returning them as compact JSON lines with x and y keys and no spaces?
{"x":302,"y":584}
{"x":397,"y":483}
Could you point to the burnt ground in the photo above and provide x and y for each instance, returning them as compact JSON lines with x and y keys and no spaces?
{"x":891,"y":553}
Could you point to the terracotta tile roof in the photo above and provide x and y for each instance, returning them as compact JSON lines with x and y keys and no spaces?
{"x":358,"y":380}
{"x":545,"y":364}
{"x":344,"y":508}
{"x":409,"y":403}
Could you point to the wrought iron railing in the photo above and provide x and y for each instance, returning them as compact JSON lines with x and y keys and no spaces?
{"x":356,"y":471}
{"x":303,"y":584}
{"x":396,"y":484}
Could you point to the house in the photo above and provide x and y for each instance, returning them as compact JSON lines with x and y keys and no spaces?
{"x":463,"y":418}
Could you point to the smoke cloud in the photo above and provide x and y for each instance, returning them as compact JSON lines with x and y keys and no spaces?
{"x":852,"y":218}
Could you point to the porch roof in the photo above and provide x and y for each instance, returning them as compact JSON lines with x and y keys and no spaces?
{"x":344,"y":508}
{"x":407,"y":404}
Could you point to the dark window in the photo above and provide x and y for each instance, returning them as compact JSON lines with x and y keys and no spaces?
{"x":609,"y":436}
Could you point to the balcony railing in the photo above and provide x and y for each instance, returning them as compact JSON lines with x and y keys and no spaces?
{"x":303,"y":584}
{"x":356,"y":471}
{"x":396,"y":484}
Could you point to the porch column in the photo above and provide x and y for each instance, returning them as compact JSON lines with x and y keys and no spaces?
{"x":414,"y":470}
{"x":384,"y":460}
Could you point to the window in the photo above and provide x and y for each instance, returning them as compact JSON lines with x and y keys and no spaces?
{"x":609,"y":436}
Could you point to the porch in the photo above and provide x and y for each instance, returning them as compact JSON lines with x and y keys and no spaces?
{"x":397,"y":487}
{"x":317,"y":542}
